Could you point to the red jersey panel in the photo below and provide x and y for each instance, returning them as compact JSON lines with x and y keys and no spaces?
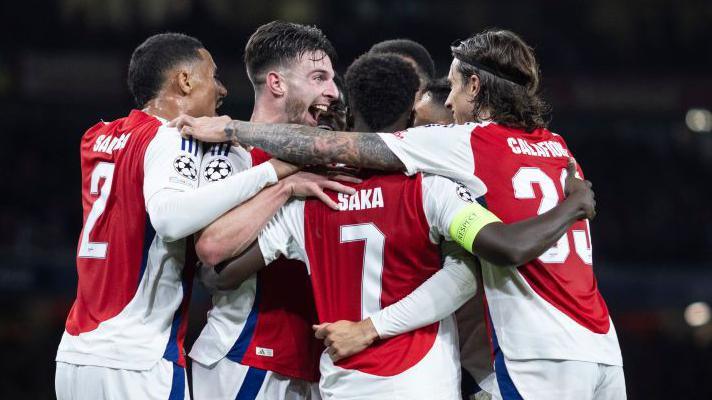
{"x":283,"y":340}
{"x":277,"y":335}
{"x":368,"y":255}
{"x":525,"y":174}
{"x":111,"y":162}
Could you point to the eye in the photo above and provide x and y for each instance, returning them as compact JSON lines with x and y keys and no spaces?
{"x":319,"y":78}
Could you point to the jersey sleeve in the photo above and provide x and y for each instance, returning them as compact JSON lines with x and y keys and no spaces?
{"x":436,"y":298}
{"x":175,"y":205}
{"x":284,"y":234}
{"x":443,"y":199}
{"x":443,"y":150}
{"x":222,"y":160}
{"x":170,"y":162}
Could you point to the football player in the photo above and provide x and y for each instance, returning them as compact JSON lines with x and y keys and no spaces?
{"x":430,"y":108}
{"x":414,"y":53}
{"x":135,"y":258}
{"x":424,"y":374}
{"x":551,"y":331}
{"x":258,"y":342}
{"x":361,"y":259}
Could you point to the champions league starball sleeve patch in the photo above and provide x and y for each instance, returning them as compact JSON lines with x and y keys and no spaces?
{"x":217,"y":169}
{"x":185,"y":166}
{"x":464,"y":194}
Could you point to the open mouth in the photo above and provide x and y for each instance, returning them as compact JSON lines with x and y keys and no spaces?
{"x":315,"y":110}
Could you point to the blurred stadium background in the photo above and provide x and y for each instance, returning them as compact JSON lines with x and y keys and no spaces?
{"x":631,"y":87}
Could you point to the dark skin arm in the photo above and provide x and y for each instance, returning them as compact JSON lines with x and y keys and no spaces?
{"x":298,"y":144}
{"x":518,"y":243}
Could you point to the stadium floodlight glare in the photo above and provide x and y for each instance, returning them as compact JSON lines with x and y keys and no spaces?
{"x":697,"y":314}
{"x":699,"y":120}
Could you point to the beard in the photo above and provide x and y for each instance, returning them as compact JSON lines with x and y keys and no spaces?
{"x":295,"y":109}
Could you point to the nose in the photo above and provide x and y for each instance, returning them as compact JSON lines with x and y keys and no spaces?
{"x":331,"y":91}
{"x":222,"y":91}
{"x":448,"y":102}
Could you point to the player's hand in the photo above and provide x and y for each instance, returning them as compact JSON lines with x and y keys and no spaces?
{"x":345,"y":338}
{"x":206,"y":129}
{"x":305,"y":184}
{"x":580,"y":191}
{"x":283,"y":168}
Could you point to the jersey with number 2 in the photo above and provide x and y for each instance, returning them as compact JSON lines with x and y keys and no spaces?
{"x":134,"y":287}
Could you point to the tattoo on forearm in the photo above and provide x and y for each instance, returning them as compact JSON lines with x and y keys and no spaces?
{"x":301,"y":144}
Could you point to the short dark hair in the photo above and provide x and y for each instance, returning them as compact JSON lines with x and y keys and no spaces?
{"x":439,"y":89}
{"x":509,"y":79}
{"x":153,"y":58}
{"x":408,"y":48}
{"x":279,"y":42}
{"x":381,"y":88}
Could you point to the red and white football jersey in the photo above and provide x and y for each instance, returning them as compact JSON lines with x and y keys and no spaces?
{"x":266,"y":322}
{"x":550,"y":308}
{"x":134,"y":287}
{"x":378,"y":248}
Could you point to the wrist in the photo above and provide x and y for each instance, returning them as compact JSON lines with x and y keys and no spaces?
{"x":368,"y":330}
{"x":574,"y":206}
{"x":285,"y":188}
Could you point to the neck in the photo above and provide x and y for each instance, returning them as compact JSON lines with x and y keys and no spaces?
{"x":268,"y":110}
{"x":166,"y":106}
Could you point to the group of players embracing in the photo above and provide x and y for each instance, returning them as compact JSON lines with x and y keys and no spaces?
{"x":392,"y":236}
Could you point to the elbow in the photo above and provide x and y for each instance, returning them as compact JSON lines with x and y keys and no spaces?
{"x":514,"y":259}
{"x":166,"y":230}
{"x":512,"y":256}
{"x":209,"y":251}
{"x":519,"y":255}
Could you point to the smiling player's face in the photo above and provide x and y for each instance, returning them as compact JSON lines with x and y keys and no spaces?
{"x":310,"y":88}
{"x":207,"y":91}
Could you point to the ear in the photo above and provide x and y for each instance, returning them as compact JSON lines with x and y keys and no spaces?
{"x":184,"y":83}
{"x":276,"y":84}
{"x":473,"y":85}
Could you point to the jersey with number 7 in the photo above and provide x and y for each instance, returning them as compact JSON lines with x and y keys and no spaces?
{"x":549,"y":308}
{"x":375,"y":250}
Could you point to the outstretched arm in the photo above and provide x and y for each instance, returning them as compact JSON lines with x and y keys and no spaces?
{"x":230,"y":234}
{"x":296,"y":143}
{"x":481,"y":233}
{"x":478,"y":231}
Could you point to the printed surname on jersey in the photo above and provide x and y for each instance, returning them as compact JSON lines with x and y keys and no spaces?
{"x":107,"y":144}
{"x":361,"y":200}
{"x":542,"y":149}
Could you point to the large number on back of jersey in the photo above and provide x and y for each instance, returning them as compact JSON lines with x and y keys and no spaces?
{"x":103,"y":172}
{"x":372,"y":263}
{"x":523,"y":183}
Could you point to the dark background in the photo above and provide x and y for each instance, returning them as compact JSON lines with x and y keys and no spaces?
{"x":629,"y":82}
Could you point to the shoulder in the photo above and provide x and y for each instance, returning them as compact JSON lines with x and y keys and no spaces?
{"x":439,"y":186}
{"x":464,"y":129}
{"x":170,"y":138}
